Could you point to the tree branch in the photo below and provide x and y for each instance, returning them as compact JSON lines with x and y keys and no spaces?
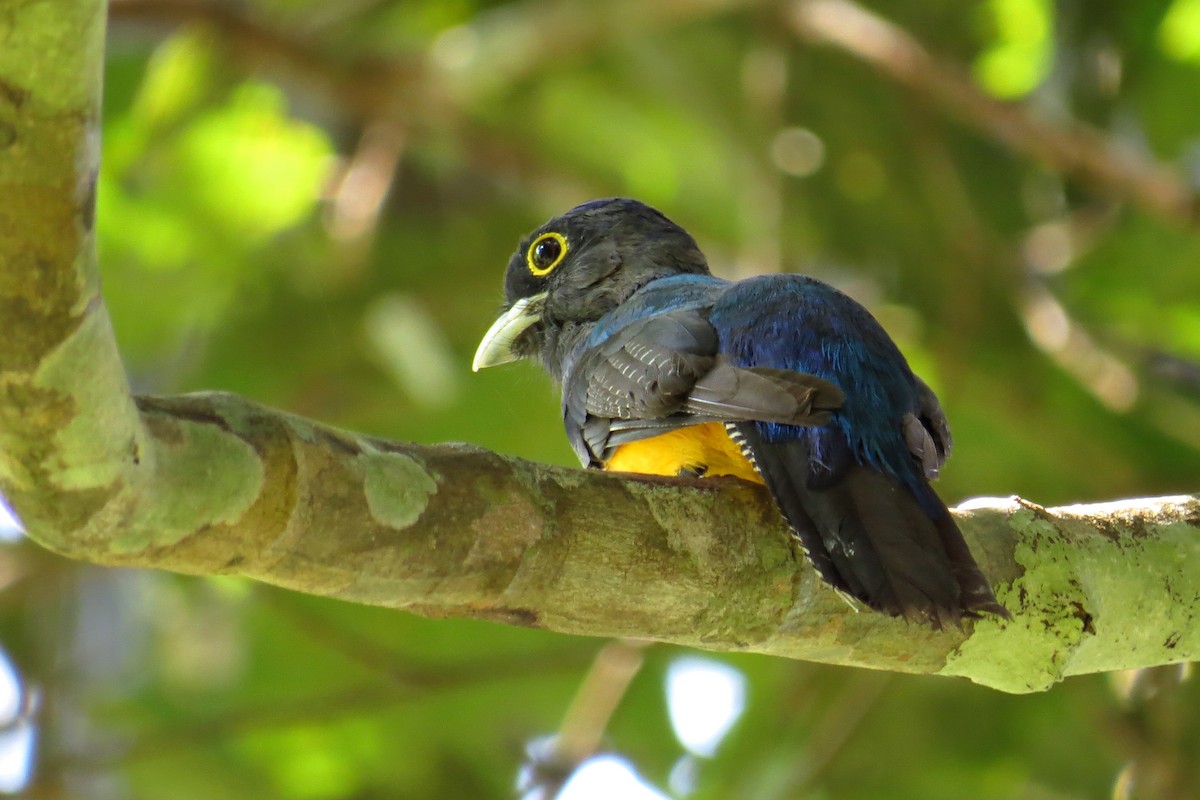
{"x":212,"y":483}
{"x":456,"y":531}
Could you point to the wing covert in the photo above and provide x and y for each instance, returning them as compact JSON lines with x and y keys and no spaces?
{"x":647,"y":369}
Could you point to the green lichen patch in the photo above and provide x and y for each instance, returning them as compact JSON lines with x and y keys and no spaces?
{"x":1099,"y":592}
{"x":1018,"y":656}
{"x":93,"y":448}
{"x":397,"y":487}
{"x":204,"y":477}
{"x":1029,"y":653}
{"x":67,"y":35}
{"x":1143,"y":591}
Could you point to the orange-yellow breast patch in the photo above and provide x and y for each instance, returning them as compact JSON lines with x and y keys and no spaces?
{"x":704,"y":448}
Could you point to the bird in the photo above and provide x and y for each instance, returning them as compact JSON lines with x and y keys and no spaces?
{"x":779,"y":379}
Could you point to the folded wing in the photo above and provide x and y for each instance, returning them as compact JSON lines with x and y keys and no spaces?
{"x":663,"y":372}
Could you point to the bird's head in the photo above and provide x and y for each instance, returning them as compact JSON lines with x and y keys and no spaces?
{"x":576,"y":268}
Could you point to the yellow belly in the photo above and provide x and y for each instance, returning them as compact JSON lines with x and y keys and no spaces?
{"x":705,"y":448}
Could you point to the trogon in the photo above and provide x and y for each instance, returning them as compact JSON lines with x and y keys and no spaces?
{"x":779,"y":379}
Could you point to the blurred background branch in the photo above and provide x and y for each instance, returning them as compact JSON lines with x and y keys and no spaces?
{"x":1073,"y":149}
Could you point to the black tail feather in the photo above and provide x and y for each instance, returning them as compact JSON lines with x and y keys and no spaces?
{"x":866,"y":535}
{"x":977,"y":595}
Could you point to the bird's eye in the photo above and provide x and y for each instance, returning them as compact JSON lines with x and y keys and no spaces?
{"x":546,"y":253}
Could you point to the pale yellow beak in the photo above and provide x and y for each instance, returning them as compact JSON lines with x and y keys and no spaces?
{"x":496,"y":346}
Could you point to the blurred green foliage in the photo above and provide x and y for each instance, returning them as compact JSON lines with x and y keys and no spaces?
{"x":1021,"y":52}
{"x":312,"y":204}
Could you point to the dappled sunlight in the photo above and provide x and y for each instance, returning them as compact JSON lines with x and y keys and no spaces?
{"x":797,"y":151}
{"x":1179,"y":32}
{"x":10,"y":528}
{"x":19,"y":707}
{"x":1021,"y":52}
{"x":606,"y":778}
{"x":704,"y":699}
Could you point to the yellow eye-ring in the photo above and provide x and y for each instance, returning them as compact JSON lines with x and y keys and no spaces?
{"x":546,"y":253}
